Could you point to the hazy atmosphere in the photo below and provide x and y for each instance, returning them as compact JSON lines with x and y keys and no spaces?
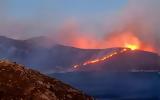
{"x":79,"y":49}
{"x":83,"y":24}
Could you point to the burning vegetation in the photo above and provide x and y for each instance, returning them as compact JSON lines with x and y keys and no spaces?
{"x":104,"y":58}
{"x":128,"y":41}
{"x":124,"y":39}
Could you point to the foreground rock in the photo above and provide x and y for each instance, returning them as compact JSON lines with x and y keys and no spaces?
{"x":19,"y":83}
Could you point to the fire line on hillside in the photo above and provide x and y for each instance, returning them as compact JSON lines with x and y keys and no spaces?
{"x":104,"y":58}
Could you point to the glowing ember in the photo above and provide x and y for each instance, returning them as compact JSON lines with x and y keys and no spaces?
{"x":97,"y":60}
{"x":132,"y":46}
{"x":75,"y":66}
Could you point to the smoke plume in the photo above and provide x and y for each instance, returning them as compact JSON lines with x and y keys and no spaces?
{"x":137,"y":23}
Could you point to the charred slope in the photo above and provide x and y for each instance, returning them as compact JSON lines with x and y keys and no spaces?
{"x":16,"y":82}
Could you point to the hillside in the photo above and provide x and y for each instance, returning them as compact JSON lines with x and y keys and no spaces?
{"x":40,"y":51}
{"x":129,"y":61}
{"x":19,"y":83}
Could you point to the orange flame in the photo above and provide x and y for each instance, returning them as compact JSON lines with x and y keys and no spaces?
{"x":132,"y":46}
{"x":128,"y":40}
{"x":124,"y":39}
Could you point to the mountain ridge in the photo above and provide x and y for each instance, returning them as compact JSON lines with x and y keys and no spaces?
{"x":57,"y":57}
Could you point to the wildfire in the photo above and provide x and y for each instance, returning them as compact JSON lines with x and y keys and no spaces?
{"x":104,"y":58}
{"x":126,"y":40}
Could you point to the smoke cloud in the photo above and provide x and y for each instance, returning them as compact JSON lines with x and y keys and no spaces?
{"x":140,"y":18}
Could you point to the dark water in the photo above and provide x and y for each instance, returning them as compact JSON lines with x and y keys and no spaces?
{"x":116,"y":86}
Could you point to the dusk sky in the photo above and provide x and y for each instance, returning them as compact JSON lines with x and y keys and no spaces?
{"x":38,"y":17}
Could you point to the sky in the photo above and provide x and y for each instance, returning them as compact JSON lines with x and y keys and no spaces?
{"x":83,"y":23}
{"x":27,"y":18}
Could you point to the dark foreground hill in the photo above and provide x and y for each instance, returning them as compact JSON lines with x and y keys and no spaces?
{"x":19,"y":83}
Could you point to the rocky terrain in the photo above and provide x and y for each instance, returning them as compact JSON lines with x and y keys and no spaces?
{"x":19,"y":83}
